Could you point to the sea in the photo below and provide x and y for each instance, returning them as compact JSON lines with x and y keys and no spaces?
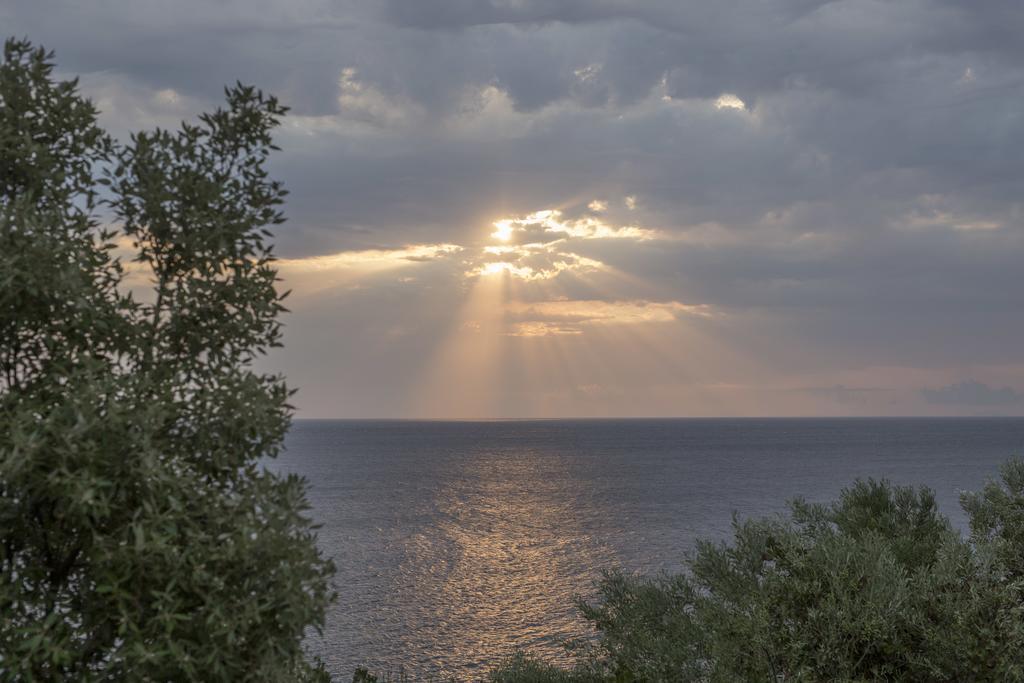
{"x":458,"y":543}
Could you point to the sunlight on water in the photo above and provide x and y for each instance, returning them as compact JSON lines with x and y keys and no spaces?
{"x":518,"y":550}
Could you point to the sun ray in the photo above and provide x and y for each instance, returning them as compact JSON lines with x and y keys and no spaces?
{"x":463,"y":377}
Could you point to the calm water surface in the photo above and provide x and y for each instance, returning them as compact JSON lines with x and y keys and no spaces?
{"x":457,"y":542}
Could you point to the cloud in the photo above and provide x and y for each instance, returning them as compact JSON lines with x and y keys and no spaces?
{"x":314,"y":274}
{"x":573,"y":317}
{"x":523,"y":263}
{"x":549,"y":224}
{"x":972,"y":393}
{"x":839,"y":182}
{"x":730,"y":101}
{"x":359,"y":101}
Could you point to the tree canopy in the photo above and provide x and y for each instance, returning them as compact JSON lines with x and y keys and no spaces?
{"x":141,"y":535}
{"x":876,"y":586}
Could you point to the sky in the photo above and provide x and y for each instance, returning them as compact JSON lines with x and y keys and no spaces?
{"x":541,"y":208}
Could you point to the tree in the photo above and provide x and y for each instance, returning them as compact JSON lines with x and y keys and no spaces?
{"x":874,"y":586}
{"x":141,"y":536}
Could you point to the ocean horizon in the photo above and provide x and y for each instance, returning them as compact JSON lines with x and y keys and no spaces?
{"x":459,"y":542}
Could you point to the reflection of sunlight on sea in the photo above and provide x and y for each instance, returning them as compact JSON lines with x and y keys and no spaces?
{"x":506,"y":551}
{"x":454,"y":546}
{"x":514,"y":550}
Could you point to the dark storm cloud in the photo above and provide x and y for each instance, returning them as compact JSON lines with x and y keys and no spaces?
{"x":858,"y":186}
{"x":743,"y":46}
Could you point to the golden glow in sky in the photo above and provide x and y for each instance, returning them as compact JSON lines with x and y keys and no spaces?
{"x":550,"y":222}
{"x":538,"y":250}
{"x":523,"y":299}
{"x":369,"y":259}
{"x":544,"y":314}
{"x":730,"y":101}
{"x":502,"y":230}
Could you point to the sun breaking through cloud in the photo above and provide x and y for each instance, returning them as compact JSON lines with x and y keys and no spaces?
{"x":840,"y":195}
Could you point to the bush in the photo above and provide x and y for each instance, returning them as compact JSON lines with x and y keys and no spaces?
{"x":522,"y":668}
{"x":875,"y":586}
{"x":139,"y":535}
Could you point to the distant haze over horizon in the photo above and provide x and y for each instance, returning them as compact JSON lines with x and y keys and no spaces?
{"x":615,"y":208}
{"x":982,"y":417}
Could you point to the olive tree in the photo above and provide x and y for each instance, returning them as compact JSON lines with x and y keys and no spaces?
{"x":874,"y":586}
{"x":141,"y":536}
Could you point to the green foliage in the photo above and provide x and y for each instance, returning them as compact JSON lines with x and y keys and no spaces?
{"x":363,"y":675}
{"x":522,"y":668}
{"x":875,"y":586}
{"x":997,"y":518}
{"x":139,"y":535}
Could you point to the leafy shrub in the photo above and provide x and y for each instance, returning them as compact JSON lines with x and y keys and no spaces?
{"x":522,"y":668}
{"x":875,"y":586}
